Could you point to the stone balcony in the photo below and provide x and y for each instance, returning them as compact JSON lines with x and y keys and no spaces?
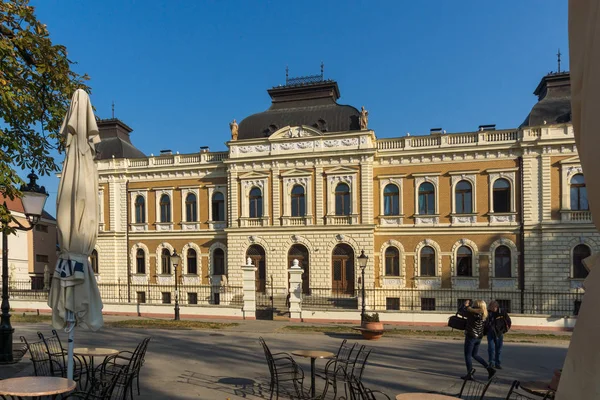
{"x":576,"y":217}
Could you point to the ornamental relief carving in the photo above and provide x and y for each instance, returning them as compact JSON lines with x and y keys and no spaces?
{"x":502,"y":218}
{"x":250,"y":183}
{"x":573,"y":171}
{"x":261,"y":148}
{"x":427,"y":220}
{"x":463,"y":177}
{"x":506,"y":175}
{"x":470,"y":219}
{"x":341,"y":178}
{"x":421,"y":179}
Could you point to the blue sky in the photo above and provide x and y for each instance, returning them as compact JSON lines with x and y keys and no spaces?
{"x":180,"y":71}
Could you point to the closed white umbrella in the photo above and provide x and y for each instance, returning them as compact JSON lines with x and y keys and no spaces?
{"x":74,"y":296}
{"x":580,"y":377}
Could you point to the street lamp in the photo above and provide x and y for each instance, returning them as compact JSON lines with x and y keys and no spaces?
{"x":34,"y":198}
{"x":175,"y":259}
{"x":362,"y":263}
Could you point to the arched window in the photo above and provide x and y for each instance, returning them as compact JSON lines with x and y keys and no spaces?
{"x":165,"y":262}
{"x":342,"y":199}
{"x":140,"y":261}
{"x":218,"y":207}
{"x":191,"y":208}
{"x":391,"y":200}
{"x":298,"y":201}
{"x":392,"y":261}
{"x":257,"y":254}
{"x":580,"y":252}
{"x":426,"y":199}
{"x":192,"y":262}
{"x":464,"y":196}
{"x":94,"y":261}
{"x":427,"y":261}
{"x":579,"y":200}
{"x":256,"y":203}
{"x":501,"y":196}
{"x":218,"y":260}
{"x":140,"y":210}
{"x":300,"y":252}
{"x":502,"y":262}
{"x":165,"y":208}
{"x":464,"y":261}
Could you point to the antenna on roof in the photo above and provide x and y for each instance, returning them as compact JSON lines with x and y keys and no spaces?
{"x":287,"y":74}
{"x":322,"y":68}
{"x":113,"y":109}
{"x":558,"y":55}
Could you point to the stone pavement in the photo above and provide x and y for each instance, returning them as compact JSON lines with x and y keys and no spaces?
{"x":221,"y":364}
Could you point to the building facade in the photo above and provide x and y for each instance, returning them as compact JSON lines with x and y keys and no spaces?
{"x":308,"y":180}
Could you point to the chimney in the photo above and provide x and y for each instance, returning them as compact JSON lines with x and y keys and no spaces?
{"x":166,"y":153}
{"x":204,"y":149}
{"x":490,"y":127}
{"x":436,"y":131}
{"x":554,"y":85}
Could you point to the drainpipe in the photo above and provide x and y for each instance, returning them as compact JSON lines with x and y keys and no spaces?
{"x":522,"y":238}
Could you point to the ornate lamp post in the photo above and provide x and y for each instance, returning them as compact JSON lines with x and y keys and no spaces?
{"x":34,"y":198}
{"x":362,"y":263}
{"x":175,"y":259}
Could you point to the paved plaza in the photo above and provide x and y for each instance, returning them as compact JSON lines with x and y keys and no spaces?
{"x":221,"y":364}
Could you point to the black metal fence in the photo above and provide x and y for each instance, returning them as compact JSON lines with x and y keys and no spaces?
{"x":446,"y":300}
{"x":150,"y":293}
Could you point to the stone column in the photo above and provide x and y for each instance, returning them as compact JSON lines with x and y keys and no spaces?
{"x":249,"y":287}
{"x":295,"y":291}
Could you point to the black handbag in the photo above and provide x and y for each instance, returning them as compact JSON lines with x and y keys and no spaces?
{"x":457,"y":322}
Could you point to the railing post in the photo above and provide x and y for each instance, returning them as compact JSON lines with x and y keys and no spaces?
{"x":522,"y":300}
{"x":295,"y":290}
{"x":249,"y":287}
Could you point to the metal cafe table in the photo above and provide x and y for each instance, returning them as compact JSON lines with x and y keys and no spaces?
{"x":313,"y":355}
{"x":35,"y":386}
{"x":92,"y":352}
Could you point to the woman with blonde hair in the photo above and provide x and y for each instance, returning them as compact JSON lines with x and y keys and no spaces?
{"x":476,"y":317}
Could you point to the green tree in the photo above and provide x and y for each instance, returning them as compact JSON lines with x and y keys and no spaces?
{"x":36,"y":84}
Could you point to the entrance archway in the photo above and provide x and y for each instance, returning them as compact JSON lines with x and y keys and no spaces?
{"x":300,"y":253}
{"x":257,"y":254}
{"x":342,"y":269}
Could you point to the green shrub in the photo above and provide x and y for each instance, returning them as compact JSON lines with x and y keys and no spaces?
{"x":371,"y":317}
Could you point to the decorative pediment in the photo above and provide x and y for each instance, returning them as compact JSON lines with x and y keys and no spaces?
{"x":571,"y":160}
{"x":296,"y":172}
{"x":253,"y":175}
{"x":340,"y":170}
{"x":294,"y":132}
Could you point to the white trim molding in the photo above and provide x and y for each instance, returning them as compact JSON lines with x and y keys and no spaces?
{"x":427,"y":219}
{"x":465,"y":282}
{"x":135,"y":277}
{"x":217,"y":225}
{"x":163,"y":278}
{"x":133,"y":225}
{"x":428,"y":282}
{"x":391,"y":220}
{"x":101,"y":209}
{"x":248,"y":183}
{"x":392,"y":280}
{"x":504,"y":283}
{"x":468,"y":218}
{"x":510,"y":175}
{"x":184,"y":266}
{"x":335,"y":177}
{"x":213,"y":247}
{"x":288,"y":184}
{"x":185,"y":224}
{"x":163,"y":226}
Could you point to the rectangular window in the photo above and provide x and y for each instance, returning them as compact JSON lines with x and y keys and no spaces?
{"x":501,"y":200}
{"x":192,"y":298}
{"x":41,"y":258}
{"x":504,"y":305}
{"x":427,"y":304}
{"x":190,"y":212}
{"x":141,"y":297}
{"x":41,"y":228}
{"x":166,"y":297}
{"x":392,"y":266}
{"x":392,"y":303}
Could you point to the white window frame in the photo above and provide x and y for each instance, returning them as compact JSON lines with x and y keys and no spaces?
{"x":510,"y":175}
{"x":465,"y":282}
{"x":288,"y":185}
{"x":333,"y":179}
{"x":134,"y":226}
{"x":101,"y":209}
{"x":163,"y":226}
{"x":504,"y":283}
{"x":135,"y":277}
{"x":213,"y":225}
{"x":247,"y":186}
{"x":428,"y":282}
{"x":185,"y":224}
{"x":217,"y":245}
{"x":187,"y":277}
{"x":427,"y":219}
{"x":471,"y":177}
{"x":393,"y":280}
{"x":391,"y":220}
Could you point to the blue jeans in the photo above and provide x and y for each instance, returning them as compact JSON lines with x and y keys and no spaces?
{"x":495,"y":343}
{"x":471,"y":351}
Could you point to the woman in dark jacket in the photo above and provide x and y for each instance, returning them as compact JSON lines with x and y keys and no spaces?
{"x":498,"y":324}
{"x":476,"y":317}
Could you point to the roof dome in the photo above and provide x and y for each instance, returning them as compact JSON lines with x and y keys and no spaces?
{"x":554,"y":101}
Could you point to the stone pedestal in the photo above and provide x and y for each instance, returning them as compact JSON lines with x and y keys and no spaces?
{"x":249,"y":287}
{"x":295,"y":273}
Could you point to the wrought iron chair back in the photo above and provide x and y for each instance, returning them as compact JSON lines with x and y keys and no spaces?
{"x":101,"y":389}
{"x":358,"y":391}
{"x":473,"y":389}
{"x":283,"y":369}
{"x":42,"y":364}
{"x":58,"y":356}
{"x":512,"y":395}
{"x":360,"y":362}
{"x":127,"y":367}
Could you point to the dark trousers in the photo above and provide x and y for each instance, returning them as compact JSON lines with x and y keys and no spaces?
{"x":471,"y":351}
{"x":495,"y":343}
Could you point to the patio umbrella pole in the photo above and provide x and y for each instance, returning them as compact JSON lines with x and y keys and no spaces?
{"x":71,"y":330}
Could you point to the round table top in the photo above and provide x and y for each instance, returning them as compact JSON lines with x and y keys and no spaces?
{"x":535,"y":387}
{"x":33,"y":386}
{"x":94,"y":351}
{"x":313,"y":353}
{"x":423,"y":396}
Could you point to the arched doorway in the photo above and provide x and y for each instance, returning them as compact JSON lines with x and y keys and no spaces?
{"x":300,"y":253}
{"x":257,"y":254}
{"x":342,"y":265}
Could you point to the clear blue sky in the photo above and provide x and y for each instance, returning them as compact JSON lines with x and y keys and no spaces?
{"x":180,"y":71}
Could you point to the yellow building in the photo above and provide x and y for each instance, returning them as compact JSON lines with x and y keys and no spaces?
{"x":494,"y":210}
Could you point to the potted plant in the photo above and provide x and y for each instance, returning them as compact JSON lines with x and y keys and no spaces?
{"x":372,"y":328}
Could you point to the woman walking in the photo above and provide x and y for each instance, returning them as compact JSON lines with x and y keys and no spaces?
{"x":498,"y":324}
{"x":476,"y":317}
